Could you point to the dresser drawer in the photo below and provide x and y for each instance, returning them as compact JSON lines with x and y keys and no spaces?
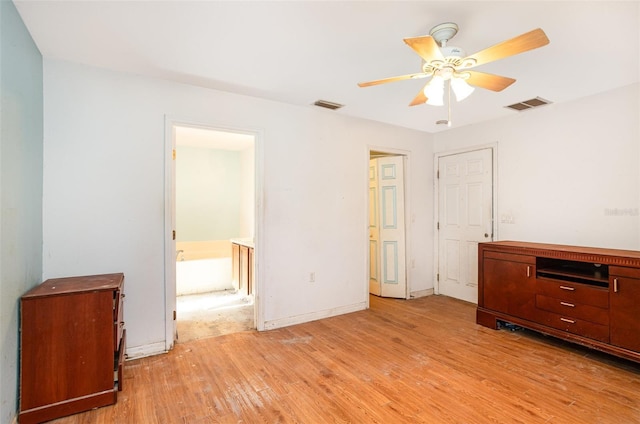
{"x":118,"y":318}
{"x":581,"y":311}
{"x":118,"y":362}
{"x":574,"y":325}
{"x":574,"y":292}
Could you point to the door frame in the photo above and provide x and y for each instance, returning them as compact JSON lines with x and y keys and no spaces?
{"x":169,"y":218}
{"x":436,"y":197}
{"x":406,"y":154}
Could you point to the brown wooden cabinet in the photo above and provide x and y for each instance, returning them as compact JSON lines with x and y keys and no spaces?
{"x":242,"y":262}
{"x":72,"y":342}
{"x":624,"y":304}
{"x":581,"y":294}
{"x":510,"y":283}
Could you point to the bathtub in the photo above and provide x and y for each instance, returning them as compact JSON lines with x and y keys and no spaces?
{"x":203,"y":266}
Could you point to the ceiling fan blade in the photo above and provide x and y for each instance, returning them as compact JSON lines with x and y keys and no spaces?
{"x":520,"y":44}
{"x":393,"y":79}
{"x":419,"y":99}
{"x":426,"y":47}
{"x":489,"y":81}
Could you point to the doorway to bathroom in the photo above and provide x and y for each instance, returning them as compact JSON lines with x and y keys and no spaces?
{"x":214,"y":210}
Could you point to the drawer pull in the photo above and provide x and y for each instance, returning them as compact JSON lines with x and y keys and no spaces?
{"x":567,"y":288}
{"x":571,"y":305}
{"x":528,"y":271}
{"x":615,"y":285}
{"x":570,"y":321}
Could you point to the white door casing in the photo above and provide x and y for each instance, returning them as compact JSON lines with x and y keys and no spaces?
{"x":170,"y":239}
{"x":387,"y":252}
{"x":170,"y":221}
{"x":374,"y":233}
{"x":465,"y":218}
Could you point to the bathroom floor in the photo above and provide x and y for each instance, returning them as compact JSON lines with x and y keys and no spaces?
{"x":213,"y":314}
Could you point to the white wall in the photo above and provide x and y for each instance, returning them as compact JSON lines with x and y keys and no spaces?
{"x":104,"y":192}
{"x":247,"y":190}
{"x":21,"y":136}
{"x":567,"y":173}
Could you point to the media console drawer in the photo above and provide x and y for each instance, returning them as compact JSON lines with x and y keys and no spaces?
{"x":584,"y":295}
{"x":575,"y":325}
{"x":573,"y":292}
{"x":570,"y":309}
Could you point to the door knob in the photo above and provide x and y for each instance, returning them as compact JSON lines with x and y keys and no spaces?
{"x":486,"y":235}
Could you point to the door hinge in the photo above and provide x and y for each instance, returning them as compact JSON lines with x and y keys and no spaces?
{"x":173,"y":234}
{"x":174,"y":315}
{"x":173,"y":154}
{"x":438,"y":173}
{"x":438,"y":226}
{"x":438,"y":277}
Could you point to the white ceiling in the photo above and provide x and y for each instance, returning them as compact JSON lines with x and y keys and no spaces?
{"x":298,"y":52}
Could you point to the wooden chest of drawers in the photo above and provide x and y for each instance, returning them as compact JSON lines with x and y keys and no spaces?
{"x":72,"y":342}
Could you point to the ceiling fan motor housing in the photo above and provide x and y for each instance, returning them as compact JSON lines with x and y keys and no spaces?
{"x":448,"y":51}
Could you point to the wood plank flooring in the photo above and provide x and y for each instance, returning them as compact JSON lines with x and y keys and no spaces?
{"x":416,"y":361}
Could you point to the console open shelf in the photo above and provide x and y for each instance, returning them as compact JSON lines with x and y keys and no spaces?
{"x":573,"y":271}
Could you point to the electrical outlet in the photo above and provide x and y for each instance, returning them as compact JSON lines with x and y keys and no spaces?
{"x":312,"y":277}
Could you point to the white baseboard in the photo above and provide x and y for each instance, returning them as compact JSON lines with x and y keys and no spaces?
{"x":299,"y":319}
{"x":137,"y":352}
{"x":421,"y":293}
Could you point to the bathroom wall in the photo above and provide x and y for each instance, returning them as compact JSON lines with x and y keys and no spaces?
{"x":214,"y":203}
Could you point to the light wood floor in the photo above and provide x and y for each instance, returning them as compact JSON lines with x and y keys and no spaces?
{"x":417,"y":361}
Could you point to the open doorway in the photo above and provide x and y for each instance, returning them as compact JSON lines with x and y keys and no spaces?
{"x":387,"y":231}
{"x":214,"y":211}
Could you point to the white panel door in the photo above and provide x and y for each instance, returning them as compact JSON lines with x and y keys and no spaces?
{"x":391,"y":242}
{"x":465,"y":218}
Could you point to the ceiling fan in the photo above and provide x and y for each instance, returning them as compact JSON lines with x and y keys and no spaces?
{"x":447,"y":63}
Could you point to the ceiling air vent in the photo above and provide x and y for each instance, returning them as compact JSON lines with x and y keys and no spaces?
{"x":529,"y":104}
{"x":328,"y":105}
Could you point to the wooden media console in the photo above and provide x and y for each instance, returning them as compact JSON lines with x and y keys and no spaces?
{"x":585,"y":295}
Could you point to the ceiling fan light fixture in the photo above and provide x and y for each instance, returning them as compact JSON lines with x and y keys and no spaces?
{"x":434,"y":91}
{"x":461,"y":89}
{"x":443,"y":62}
{"x":446,"y":73}
{"x":468,"y":62}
